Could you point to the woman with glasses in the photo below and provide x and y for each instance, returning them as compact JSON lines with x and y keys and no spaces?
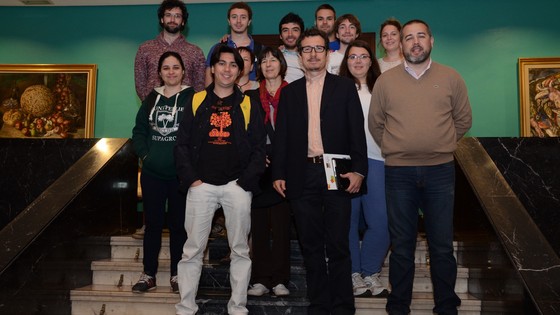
{"x":358,"y":64}
{"x":270,"y":214}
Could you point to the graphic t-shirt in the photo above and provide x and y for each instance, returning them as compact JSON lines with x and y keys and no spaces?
{"x":219,"y":158}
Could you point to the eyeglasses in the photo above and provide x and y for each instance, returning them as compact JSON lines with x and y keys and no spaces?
{"x":171,"y":15}
{"x":308,"y":49}
{"x":355,"y":57}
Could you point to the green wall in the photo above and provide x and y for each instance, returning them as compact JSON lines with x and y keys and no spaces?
{"x":481,"y":39}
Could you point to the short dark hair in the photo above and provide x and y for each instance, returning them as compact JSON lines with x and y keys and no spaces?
{"x":172,"y":4}
{"x":250,"y":51}
{"x":352,"y":19}
{"x":325,"y":6}
{"x":310,"y":32}
{"x":291,"y":18}
{"x":276,"y":53}
{"x":225,"y":49}
{"x":241,"y":5}
{"x":416,"y":21}
{"x":373,"y":72}
{"x":170,"y":54}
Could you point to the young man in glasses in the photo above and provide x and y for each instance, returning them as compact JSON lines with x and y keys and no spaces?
{"x":326,"y":108}
{"x":173,"y":16}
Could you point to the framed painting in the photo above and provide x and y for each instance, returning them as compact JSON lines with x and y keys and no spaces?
{"x":539,"y":97}
{"x":47,"y":100}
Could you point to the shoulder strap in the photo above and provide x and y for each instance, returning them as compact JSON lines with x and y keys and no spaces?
{"x":246,"y":109}
{"x":198,"y":98}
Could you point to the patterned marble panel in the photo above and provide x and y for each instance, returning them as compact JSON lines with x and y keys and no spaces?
{"x":531,"y":166}
{"x":29,"y":166}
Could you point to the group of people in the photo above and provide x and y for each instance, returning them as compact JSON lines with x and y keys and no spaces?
{"x":246,"y":129}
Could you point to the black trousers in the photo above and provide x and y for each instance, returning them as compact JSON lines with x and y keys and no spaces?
{"x":270,"y":234}
{"x":322,"y":219}
{"x":162,"y":201}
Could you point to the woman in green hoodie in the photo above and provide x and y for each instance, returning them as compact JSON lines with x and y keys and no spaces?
{"x":154,"y":137}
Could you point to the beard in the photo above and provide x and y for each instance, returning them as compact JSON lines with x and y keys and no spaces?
{"x":172,"y":29}
{"x":316,"y":65}
{"x":346,"y":41}
{"x":288,"y":46}
{"x":419,"y":58}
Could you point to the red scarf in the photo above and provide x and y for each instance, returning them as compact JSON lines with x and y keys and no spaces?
{"x":267,"y":100}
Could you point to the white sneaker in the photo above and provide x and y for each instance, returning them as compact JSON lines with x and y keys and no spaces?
{"x":280,"y":290}
{"x":376,"y":286}
{"x":257,"y":289}
{"x":358,"y":284}
{"x":139,"y":234}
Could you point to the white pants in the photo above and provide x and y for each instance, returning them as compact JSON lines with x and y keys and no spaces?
{"x":202,"y":202}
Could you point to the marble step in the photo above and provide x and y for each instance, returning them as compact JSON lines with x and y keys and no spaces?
{"x":127,"y":272}
{"x":121,"y":301}
{"x":118,"y":272}
{"x":422,"y":304}
{"x":128,"y":247}
{"x":123,"y":247}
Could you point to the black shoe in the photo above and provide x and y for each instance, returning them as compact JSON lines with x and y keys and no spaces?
{"x":146,"y":283}
{"x":174,"y":284}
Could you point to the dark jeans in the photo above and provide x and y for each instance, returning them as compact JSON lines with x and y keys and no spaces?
{"x":157,"y":195}
{"x":432,"y":189}
{"x":270,"y":235}
{"x":323,"y":223}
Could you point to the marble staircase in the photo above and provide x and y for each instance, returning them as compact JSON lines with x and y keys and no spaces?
{"x":112,"y":280}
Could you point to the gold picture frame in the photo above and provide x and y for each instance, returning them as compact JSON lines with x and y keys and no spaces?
{"x":47,"y":100}
{"x":539,"y":96}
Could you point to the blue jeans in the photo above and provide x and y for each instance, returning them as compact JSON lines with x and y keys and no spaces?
{"x":432,"y":189}
{"x":368,"y":257}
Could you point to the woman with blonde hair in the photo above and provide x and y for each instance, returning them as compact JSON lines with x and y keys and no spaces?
{"x":390,"y":42}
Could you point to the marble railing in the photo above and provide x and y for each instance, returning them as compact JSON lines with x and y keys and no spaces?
{"x":29,"y":166}
{"x":516,"y":183}
{"x":77,"y":197}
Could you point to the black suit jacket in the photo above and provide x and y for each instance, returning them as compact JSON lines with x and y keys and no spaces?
{"x":342,"y":130}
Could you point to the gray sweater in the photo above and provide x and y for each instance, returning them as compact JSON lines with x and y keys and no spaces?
{"x":418,"y":122}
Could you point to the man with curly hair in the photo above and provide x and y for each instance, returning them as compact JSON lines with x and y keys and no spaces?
{"x":173,"y":16}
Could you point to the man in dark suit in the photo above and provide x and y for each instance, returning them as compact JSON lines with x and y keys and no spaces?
{"x":317,"y":114}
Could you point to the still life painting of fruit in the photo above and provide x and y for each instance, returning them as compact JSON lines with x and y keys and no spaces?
{"x":47,"y":103}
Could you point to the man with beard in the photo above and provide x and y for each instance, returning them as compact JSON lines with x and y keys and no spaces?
{"x":290,"y":27}
{"x":418,"y":112}
{"x":239,"y":17}
{"x":347,"y":28}
{"x":173,"y":16}
{"x":320,"y":113}
{"x":325,"y":17}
